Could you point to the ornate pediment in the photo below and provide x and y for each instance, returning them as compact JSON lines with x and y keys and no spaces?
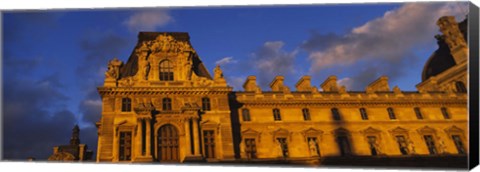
{"x":426,"y":129}
{"x":165,"y":43}
{"x":311,"y":132}
{"x":281,"y":132}
{"x":453,"y":129}
{"x":371,"y":130}
{"x":399,"y":130}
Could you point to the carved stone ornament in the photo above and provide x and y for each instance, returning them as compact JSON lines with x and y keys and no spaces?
{"x":113,"y":71}
{"x":167,"y":43}
{"x":61,"y":156}
{"x":218,"y":73}
{"x":127,"y":82}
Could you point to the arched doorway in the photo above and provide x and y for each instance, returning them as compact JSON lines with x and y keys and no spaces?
{"x":167,"y":144}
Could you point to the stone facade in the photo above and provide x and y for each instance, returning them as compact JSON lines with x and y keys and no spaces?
{"x":163,"y":105}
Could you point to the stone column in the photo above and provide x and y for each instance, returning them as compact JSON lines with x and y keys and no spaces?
{"x":195,"y":137}
{"x":81,"y":151}
{"x":138,"y":141}
{"x":187,"y":138}
{"x":148,"y":138}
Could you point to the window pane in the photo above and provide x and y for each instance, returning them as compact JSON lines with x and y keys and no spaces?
{"x":445,"y":113}
{"x":418,"y":113}
{"x":391,"y":114}
{"x":246,"y":115}
{"x":166,"y":71}
{"x":306,"y":114}
{"x":363,"y":113}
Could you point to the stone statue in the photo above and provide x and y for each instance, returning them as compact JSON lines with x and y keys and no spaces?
{"x":396,"y":90}
{"x":342,"y":90}
{"x":441,"y":146}
{"x":144,"y":68}
{"x":377,"y":148}
{"x":188,"y":66}
{"x":218,"y":73}
{"x":313,"y":148}
{"x":113,"y":71}
{"x":411,"y":147}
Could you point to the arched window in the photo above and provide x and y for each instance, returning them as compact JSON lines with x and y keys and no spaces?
{"x":306,"y":114}
{"x":391,"y":114}
{"x":276,"y":114}
{"x":126,"y":104}
{"x":445,"y":113}
{"x":418,"y":113}
{"x":246,"y":114}
{"x":166,"y":71}
{"x":336,"y":114}
{"x":167,"y":104}
{"x":460,"y":87}
{"x":363,"y":113}
{"x":206,"y":104}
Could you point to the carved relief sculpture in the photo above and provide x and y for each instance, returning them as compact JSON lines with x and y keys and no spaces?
{"x":113,"y":71}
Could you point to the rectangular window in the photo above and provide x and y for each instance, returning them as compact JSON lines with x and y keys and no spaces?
{"x":430,"y":144}
{"x":336,"y":114}
{"x":206,"y":104}
{"x":125,"y":146}
{"x":126,"y":105}
{"x":402,"y":145}
{"x":209,"y":143}
{"x":276,"y":115}
{"x":284,"y":146}
{"x":344,"y":145}
{"x":459,"y":144}
{"x":363,"y":113}
{"x":445,"y":113}
{"x":391,"y":114}
{"x":246,"y":114}
{"x":313,"y":146}
{"x":306,"y":114}
{"x":418,"y":113}
{"x":251,"y":148}
{"x":372,"y":142}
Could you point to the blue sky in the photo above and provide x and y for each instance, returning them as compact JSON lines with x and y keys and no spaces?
{"x":54,"y":60}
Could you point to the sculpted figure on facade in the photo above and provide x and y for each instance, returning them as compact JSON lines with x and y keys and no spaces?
{"x":441,"y":146}
{"x":188,"y":67}
{"x":143,"y":67}
{"x":217,"y":73}
{"x":313,"y":148}
{"x":411,"y":147}
{"x":113,"y":71}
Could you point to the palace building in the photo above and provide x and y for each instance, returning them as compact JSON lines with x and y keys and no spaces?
{"x":162,"y":105}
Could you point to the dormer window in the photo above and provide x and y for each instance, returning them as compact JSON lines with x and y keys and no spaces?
{"x":166,"y":71}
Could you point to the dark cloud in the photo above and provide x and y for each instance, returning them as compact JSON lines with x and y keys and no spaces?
{"x":271,"y":60}
{"x":34,"y":118}
{"x":99,"y":47}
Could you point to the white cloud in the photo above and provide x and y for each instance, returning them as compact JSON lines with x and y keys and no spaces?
{"x":225,"y":60}
{"x":390,"y":37}
{"x":347,"y":82}
{"x":271,"y":60}
{"x":148,"y":20}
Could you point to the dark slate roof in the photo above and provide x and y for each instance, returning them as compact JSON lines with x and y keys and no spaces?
{"x":442,"y":59}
